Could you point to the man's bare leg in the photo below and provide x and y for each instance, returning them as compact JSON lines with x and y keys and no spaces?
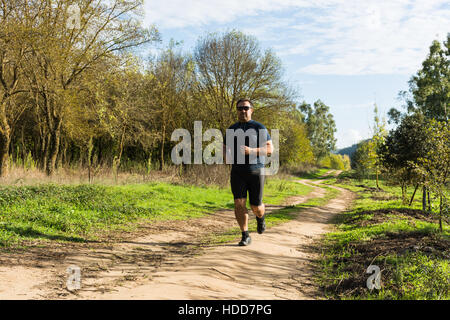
{"x":241,"y":213}
{"x":259,"y":213}
{"x":259,"y":210}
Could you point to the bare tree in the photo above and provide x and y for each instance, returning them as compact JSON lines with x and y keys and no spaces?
{"x":13,"y":49}
{"x":62,"y":52}
{"x":231,"y":66}
{"x":170,"y":78}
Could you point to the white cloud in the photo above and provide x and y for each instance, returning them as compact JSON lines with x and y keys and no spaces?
{"x":376,"y":37}
{"x":349,"y":137}
{"x":339,"y":37}
{"x":182,"y":13}
{"x":354,"y":135}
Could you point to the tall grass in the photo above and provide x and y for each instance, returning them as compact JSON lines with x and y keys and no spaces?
{"x":27,"y":173}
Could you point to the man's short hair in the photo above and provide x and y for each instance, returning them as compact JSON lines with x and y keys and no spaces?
{"x":244,"y":100}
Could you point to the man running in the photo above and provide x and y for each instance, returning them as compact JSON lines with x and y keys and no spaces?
{"x":246,"y":144}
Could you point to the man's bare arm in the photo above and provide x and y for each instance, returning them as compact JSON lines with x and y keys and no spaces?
{"x":262,"y":151}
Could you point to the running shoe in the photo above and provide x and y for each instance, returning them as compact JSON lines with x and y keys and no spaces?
{"x":245,"y":241}
{"x":261,"y":224}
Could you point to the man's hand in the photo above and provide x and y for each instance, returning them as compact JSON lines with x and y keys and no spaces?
{"x":266,"y":150}
{"x":247,"y":151}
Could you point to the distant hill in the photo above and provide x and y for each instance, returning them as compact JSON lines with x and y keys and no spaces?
{"x":349,"y":150}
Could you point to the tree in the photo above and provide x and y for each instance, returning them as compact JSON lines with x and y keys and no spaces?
{"x":321,"y":128}
{"x":401,"y":150}
{"x":362,"y":160}
{"x":336,"y":161}
{"x":231,"y":66}
{"x":122,"y":108}
{"x":62,"y":52}
{"x":433,"y":166}
{"x":295,"y":146}
{"x":378,"y":138}
{"x":14,"y":30}
{"x":169,"y":79}
{"x":429,"y":89}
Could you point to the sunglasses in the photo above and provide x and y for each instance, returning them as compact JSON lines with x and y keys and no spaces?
{"x":246,"y":108}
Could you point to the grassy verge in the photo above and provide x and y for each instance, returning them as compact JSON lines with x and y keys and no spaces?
{"x":277,"y":190}
{"x":318,"y":174}
{"x":31,"y":214}
{"x":379,"y":230}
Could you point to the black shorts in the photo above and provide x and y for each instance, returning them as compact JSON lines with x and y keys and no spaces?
{"x":251,"y":181}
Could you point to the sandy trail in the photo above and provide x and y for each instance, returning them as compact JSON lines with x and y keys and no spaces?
{"x":169,"y":262}
{"x":277,"y":265}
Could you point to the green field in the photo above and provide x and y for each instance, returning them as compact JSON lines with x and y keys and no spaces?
{"x":89,"y":212}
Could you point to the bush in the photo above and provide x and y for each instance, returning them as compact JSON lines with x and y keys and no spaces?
{"x":335,"y":161}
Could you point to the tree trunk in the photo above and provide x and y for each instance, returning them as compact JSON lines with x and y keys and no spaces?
{"x":55,"y":139}
{"x":424,"y":199}
{"x":404,"y":191}
{"x":5,"y":140}
{"x":378,"y":186}
{"x":44,"y":152}
{"x":22,"y":140}
{"x":122,"y":138}
{"x":13,"y":153}
{"x":4,"y":154}
{"x":89,"y":159}
{"x":64,"y":153}
{"x":161,"y":162}
{"x":412,"y":198}
{"x":42,"y":147}
{"x":440,"y":213}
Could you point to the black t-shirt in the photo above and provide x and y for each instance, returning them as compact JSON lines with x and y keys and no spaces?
{"x":252,"y":134}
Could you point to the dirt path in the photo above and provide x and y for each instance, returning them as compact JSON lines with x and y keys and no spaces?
{"x":170,"y":261}
{"x":333,"y":173}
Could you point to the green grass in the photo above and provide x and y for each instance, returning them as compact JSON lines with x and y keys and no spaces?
{"x":277,"y":190}
{"x":405,"y":243}
{"x":78,"y":213}
{"x":88,"y":212}
{"x":317,"y":174}
{"x":414,"y":276}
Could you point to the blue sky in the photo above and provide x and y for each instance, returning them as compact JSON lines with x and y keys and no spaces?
{"x":350,"y":54}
